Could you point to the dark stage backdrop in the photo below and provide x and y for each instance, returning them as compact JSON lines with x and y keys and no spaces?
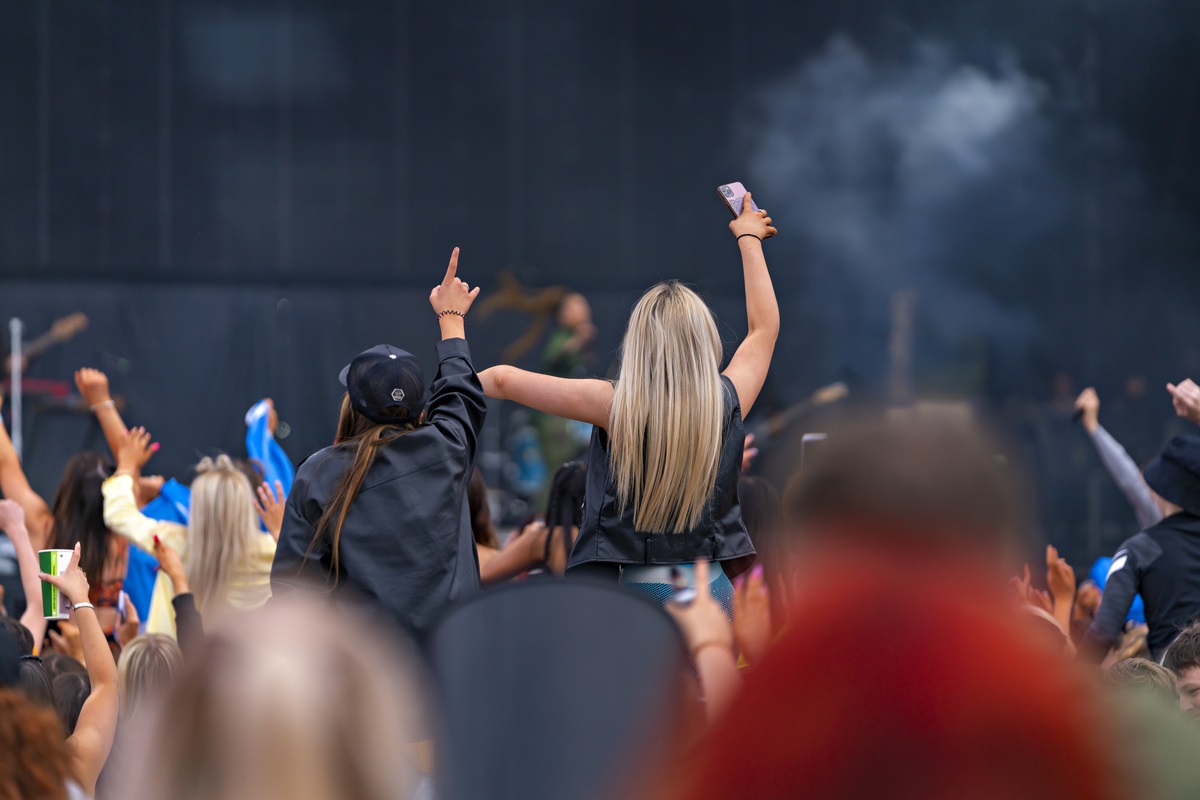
{"x":243,"y":194}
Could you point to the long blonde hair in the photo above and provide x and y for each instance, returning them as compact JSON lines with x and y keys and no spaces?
{"x":220,"y":531}
{"x":668,"y":411}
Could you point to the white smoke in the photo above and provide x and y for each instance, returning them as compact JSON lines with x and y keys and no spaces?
{"x":923,"y":172}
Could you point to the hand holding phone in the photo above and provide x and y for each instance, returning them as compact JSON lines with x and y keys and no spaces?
{"x":734,"y":195}
{"x":748,"y":218}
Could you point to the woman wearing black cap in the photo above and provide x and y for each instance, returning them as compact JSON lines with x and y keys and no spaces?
{"x":383,"y":512}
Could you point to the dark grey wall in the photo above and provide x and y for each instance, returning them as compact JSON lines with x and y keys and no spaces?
{"x":241,"y":194}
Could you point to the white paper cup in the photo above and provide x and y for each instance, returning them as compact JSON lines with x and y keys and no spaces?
{"x":54,"y":562}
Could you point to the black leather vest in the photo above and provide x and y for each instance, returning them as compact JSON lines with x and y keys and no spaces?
{"x":609,"y":536}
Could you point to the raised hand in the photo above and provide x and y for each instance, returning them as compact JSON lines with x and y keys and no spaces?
{"x":66,"y":640}
{"x":756,"y":223}
{"x":269,"y":503}
{"x":1088,"y":404}
{"x":452,"y":295}
{"x":170,"y":563}
{"x":752,"y":615}
{"x":128,"y":630}
{"x":93,"y":385}
{"x":12,"y":517}
{"x":1059,"y":577}
{"x":703,"y":621}
{"x":71,"y":582}
{"x":135,"y":450}
{"x":1186,"y":399}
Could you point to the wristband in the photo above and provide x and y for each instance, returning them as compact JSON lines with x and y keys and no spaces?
{"x":749,"y":234}
{"x":78,"y":606}
{"x":105,"y":404}
{"x":452,"y":312}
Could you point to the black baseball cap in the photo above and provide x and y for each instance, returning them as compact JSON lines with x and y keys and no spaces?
{"x":385,"y":378}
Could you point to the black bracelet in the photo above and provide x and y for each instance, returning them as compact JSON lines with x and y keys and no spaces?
{"x":749,"y":234}
{"x":461,"y":314}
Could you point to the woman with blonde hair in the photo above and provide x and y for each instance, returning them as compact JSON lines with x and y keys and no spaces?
{"x":667,"y":442}
{"x":291,"y":703}
{"x":145,"y":668}
{"x":226,"y":556}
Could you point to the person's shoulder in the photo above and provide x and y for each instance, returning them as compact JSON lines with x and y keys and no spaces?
{"x":309,"y":467}
{"x":1141,"y":548}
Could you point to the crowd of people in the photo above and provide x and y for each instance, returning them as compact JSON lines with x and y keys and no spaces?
{"x":870,"y":628}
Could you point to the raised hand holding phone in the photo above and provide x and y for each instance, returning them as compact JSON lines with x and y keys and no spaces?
{"x":753,"y":221}
{"x":735,"y":196}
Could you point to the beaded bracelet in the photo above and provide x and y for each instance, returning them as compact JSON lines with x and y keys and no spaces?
{"x":450,"y":311}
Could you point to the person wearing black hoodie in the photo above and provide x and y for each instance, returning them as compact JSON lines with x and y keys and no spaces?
{"x":1162,"y":563}
{"x":383,"y":512}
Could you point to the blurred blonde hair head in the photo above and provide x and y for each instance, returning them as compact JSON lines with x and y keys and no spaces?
{"x":220,"y":530}
{"x":299,"y":700}
{"x":668,"y":410}
{"x":145,"y":669}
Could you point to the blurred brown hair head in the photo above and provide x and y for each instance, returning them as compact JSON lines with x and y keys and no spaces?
{"x":1183,"y":653}
{"x":299,"y":700}
{"x":33,"y":752}
{"x":924,"y":483}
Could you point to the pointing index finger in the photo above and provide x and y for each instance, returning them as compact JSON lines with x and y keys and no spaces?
{"x":452,"y":268}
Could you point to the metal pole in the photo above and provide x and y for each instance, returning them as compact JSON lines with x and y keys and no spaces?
{"x":15,"y":328}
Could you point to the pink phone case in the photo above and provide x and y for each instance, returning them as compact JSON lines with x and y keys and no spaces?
{"x":734,"y":195}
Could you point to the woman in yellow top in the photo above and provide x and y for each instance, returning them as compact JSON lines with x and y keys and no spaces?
{"x":226,"y":556}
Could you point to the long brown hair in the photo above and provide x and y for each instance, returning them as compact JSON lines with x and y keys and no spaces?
{"x":366,"y":438}
{"x":79,"y":512}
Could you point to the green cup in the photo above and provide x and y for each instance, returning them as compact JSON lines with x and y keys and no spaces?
{"x":54,"y":562}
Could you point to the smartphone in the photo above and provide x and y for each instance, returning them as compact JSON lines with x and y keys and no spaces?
{"x":683,"y":594}
{"x":810,"y":447}
{"x":734,"y":195}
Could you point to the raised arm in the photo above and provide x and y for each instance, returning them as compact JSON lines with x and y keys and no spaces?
{"x":15,"y":486}
{"x":121,"y":513}
{"x":12,"y":522}
{"x":97,"y":726}
{"x":93,"y":387}
{"x":1116,"y":461}
{"x":748,"y":367}
{"x":451,"y":300}
{"x":581,"y":399}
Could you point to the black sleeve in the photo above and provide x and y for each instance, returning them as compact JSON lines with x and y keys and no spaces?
{"x":189,"y":625}
{"x":1123,"y":583}
{"x":457,"y":405}
{"x":295,"y":565}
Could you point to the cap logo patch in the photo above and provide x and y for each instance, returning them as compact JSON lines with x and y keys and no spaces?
{"x":397,"y":395}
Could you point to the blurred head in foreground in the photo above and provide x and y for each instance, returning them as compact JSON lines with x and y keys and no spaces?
{"x":34,"y":760}
{"x":904,"y":672}
{"x":904,"y":684}
{"x":1145,"y":677}
{"x":924,"y":486}
{"x":1182,"y":657}
{"x":300,"y":700}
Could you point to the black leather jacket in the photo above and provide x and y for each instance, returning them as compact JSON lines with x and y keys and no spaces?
{"x":609,"y":537}
{"x":406,"y":544}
